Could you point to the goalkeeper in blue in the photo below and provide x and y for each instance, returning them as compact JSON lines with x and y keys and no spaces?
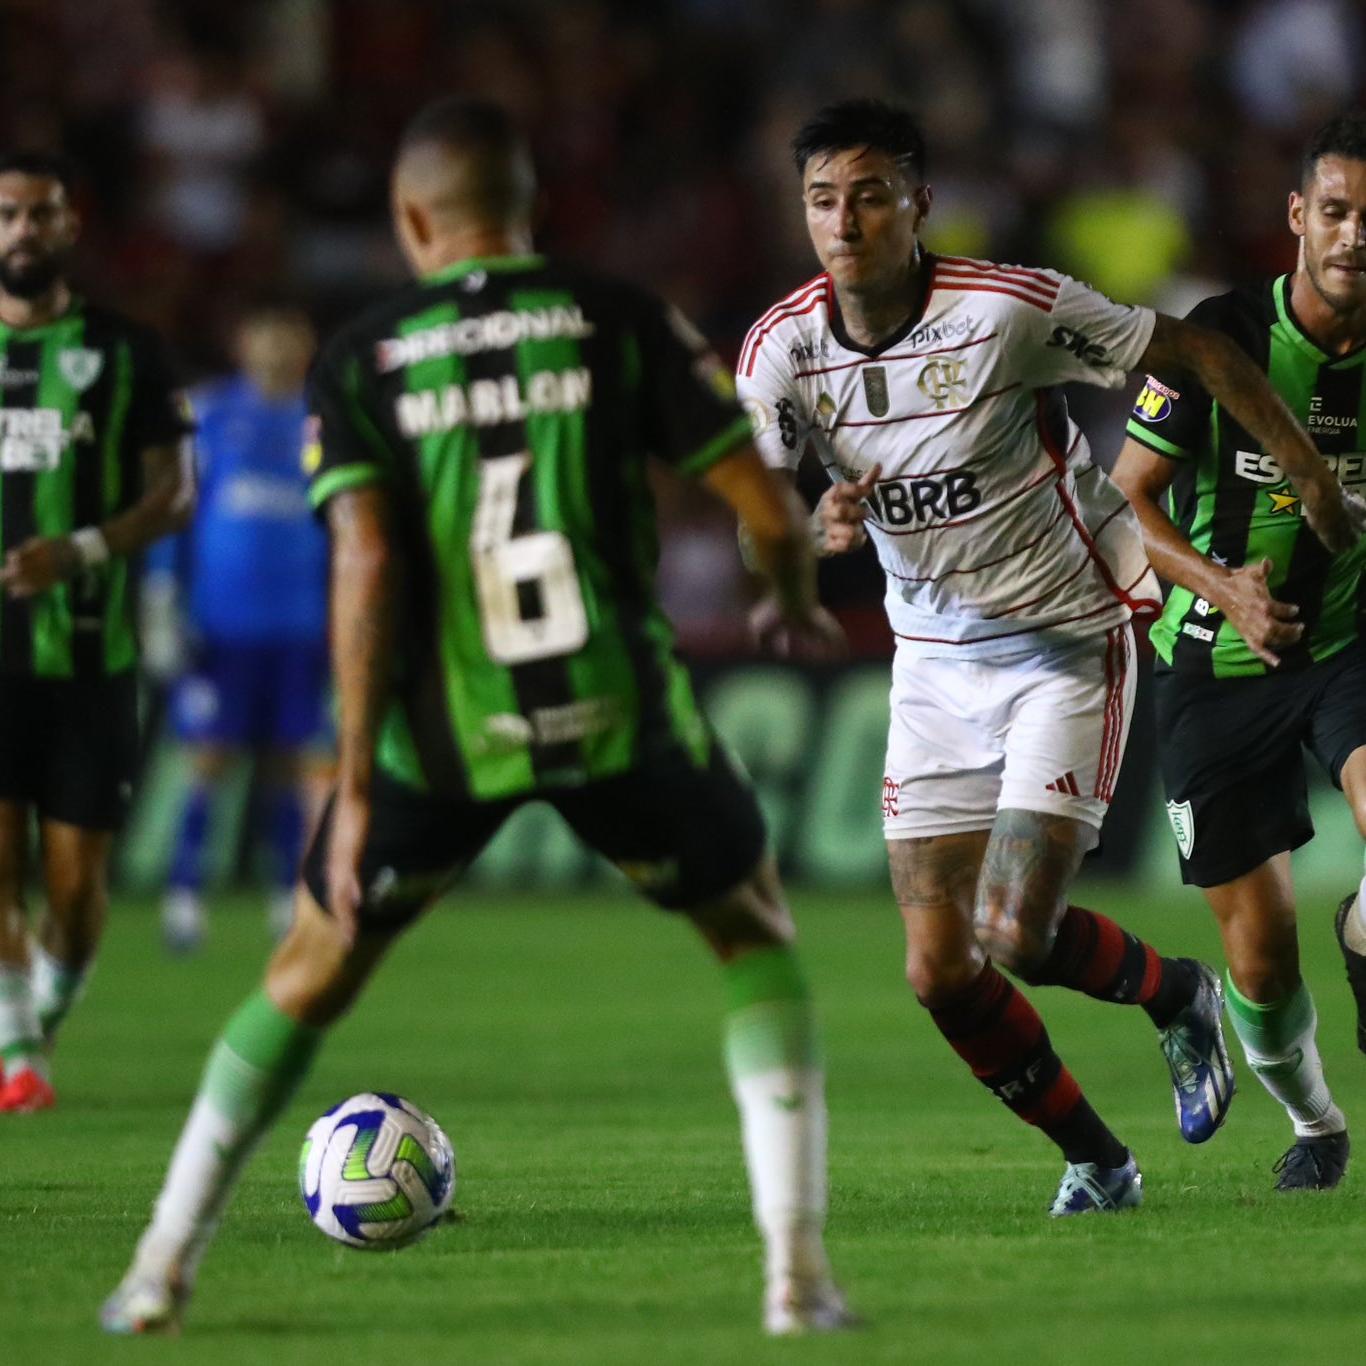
{"x":496,"y":639}
{"x":237,"y":607}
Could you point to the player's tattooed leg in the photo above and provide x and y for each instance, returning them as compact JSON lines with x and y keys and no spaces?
{"x":1031,"y":859}
{"x":985,"y":1020}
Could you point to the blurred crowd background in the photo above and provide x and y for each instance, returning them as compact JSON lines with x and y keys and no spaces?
{"x":239,"y":150}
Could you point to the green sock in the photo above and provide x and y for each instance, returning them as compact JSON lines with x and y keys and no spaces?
{"x":260,"y":1058}
{"x":772,"y":1050}
{"x":1278,"y":1041}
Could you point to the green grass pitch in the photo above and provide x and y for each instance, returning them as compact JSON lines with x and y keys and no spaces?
{"x":570,"y":1049}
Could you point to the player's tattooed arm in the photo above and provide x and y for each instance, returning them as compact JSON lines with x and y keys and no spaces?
{"x":1241,"y":593}
{"x":1231,"y":378}
{"x":167,"y":501}
{"x":1031,"y":859}
{"x":362,"y":610}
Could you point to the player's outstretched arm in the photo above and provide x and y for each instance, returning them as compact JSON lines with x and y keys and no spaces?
{"x":1241,"y":594}
{"x":1231,"y":378}
{"x":362,"y":618}
{"x":165,"y":507}
{"x":779,"y":542}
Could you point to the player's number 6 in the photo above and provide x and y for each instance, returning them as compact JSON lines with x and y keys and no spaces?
{"x":529,"y":596}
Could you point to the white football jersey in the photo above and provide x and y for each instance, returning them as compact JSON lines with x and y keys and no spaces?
{"x":990,"y":518}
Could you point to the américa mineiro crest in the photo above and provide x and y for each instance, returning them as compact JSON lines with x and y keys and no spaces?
{"x":80,"y":366}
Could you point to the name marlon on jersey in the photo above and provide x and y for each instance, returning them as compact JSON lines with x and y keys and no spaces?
{"x":486,"y":402}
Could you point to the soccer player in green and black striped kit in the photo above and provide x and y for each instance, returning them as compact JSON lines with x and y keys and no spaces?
{"x":496,"y":638}
{"x":91,"y":471}
{"x":1259,"y":645}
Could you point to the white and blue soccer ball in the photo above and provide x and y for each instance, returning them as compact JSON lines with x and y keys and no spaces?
{"x":376,"y":1172}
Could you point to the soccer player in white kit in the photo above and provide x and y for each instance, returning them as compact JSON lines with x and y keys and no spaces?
{"x":928,"y":388}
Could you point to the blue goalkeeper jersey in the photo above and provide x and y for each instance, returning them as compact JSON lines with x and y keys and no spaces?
{"x":254,"y":561}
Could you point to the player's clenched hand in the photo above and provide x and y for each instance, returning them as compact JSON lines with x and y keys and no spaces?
{"x":38,"y":564}
{"x":1265,"y":623}
{"x":803,"y":633}
{"x":840,"y":514}
{"x":350,"y":829}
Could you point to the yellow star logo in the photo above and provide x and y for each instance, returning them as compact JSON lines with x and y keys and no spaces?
{"x":1282,"y":502}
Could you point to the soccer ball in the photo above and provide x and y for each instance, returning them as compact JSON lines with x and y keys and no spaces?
{"x":376,"y":1172}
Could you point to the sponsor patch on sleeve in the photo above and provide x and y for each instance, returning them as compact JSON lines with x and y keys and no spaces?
{"x":1154,"y":402}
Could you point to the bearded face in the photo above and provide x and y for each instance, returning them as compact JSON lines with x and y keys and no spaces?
{"x":37,"y":234}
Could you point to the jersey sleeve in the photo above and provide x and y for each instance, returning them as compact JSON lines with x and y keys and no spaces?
{"x":1172,"y":412}
{"x":769,"y":395}
{"x":158,"y":411}
{"x":342,"y":447}
{"x":1085,"y":337}
{"x":690,"y":413}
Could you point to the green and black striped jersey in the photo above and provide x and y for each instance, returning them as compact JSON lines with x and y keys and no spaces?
{"x":1230,"y":498}
{"x":509,"y":405}
{"x":80,"y":400}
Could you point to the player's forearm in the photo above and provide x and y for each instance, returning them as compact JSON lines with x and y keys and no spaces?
{"x":1170,"y":553}
{"x":1238,"y":385}
{"x":164,"y":508}
{"x":363,"y":575}
{"x":775,"y":530}
{"x":788,"y":564}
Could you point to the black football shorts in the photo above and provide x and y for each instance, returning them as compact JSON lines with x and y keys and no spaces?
{"x":69,"y":746}
{"x":683,"y":833}
{"x":1231,"y":752}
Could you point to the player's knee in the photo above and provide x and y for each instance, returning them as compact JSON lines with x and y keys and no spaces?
{"x":76,"y":904}
{"x":937,"y":977}
{"x":1359,"y":813}
{"x":752,"y":915}
{"x":313,"y":976}
{"x":1262,"y":978}
{"x":1007,"y":937}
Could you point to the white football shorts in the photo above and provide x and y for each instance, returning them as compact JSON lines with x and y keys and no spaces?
{"x":1043,"y":731}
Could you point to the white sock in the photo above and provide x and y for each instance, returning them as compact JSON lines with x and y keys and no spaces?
{"x":251,"y":1073}
{"x":21,"y":1037}
{"x":210,"y":1152}
{"x":1278,"y":1040}
{"x":773,"y":1061}
{"x":56,"y":988}
{"x":783,"y":1120}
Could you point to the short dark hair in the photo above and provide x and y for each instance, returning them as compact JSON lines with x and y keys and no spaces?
{"x":863,"y":123}
{"x":49,"y":165}
{"x":463,"y":124}
{"x":1342,"y":136}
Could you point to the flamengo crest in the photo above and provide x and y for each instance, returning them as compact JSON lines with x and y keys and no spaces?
{"x":80,"y":367}
{"x":1183,"y":826}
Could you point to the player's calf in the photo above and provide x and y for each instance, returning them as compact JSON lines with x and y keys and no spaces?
{"x":996,"y":1031}
{"x":1350,"y":928}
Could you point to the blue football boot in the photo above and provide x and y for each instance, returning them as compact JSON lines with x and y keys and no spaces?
{"x":1203,"y":1083}
{"x":1088,"y":1188}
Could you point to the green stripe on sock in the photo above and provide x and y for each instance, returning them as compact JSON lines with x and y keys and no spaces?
{"x":771,"y":1023}
{"x":764,"y":975}
{"x":258,"y":1060}
{"x":1271,"y":1027}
